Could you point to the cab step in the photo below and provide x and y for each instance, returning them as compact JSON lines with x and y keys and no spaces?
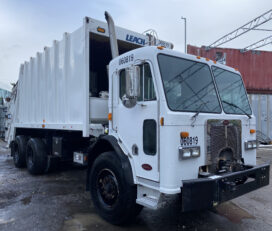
{"x":148,"y":202}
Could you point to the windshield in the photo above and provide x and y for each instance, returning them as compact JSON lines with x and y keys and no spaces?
{"x":232,"y":92}
{"x":188,"y":85}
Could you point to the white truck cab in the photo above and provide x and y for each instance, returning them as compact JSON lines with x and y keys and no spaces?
{"x":191,"y":120}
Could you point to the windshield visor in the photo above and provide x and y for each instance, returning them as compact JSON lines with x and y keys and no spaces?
{"x":232,"y":92}
{"x":188,"y":85}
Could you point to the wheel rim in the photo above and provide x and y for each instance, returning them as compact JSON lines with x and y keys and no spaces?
{"x":107,"y":187}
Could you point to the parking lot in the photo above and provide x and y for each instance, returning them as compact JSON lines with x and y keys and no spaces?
{"x":58,"y":201}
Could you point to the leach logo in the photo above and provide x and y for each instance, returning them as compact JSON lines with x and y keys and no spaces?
{"x":135,"y":39}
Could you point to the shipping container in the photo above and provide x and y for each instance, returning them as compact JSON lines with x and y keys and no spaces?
{"x":255,"y":66}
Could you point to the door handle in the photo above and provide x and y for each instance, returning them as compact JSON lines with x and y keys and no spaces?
{"x":142,"y":105}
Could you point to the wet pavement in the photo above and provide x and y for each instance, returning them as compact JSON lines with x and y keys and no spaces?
{"x":58,"y":201}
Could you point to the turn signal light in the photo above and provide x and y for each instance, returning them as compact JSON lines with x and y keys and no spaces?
{"x":252,"y":131}
{"x":110,"y":116}
{"x":162,"y":121}
{"x":184,"y":134}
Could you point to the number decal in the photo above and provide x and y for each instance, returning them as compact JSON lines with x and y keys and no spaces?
{"x":192,"y":140}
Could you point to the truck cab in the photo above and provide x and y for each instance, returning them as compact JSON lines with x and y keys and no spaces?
{"x":189,"y":120}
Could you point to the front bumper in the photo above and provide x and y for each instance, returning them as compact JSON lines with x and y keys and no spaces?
{"x":205,"y":193}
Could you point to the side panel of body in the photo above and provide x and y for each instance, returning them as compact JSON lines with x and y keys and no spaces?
{"x":50,"y":92}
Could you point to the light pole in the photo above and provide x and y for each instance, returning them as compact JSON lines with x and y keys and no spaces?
{"x":185,"y":45}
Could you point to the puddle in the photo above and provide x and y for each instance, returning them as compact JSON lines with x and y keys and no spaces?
{"x":3,"y":221}
{"x":92,"y":221}
{"x":233,"y":212}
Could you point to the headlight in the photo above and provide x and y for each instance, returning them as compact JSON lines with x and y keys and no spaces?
{"x":251,"y":144}
{"x":196,"y":152}
{"x":189,"y":152}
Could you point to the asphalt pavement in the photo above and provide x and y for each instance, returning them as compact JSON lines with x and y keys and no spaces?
{"x":58,"y":202}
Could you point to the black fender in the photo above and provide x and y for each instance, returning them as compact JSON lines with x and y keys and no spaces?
{"x":106,"y":143}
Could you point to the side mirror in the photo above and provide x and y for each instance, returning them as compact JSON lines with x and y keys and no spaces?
{"x":132,"y":86}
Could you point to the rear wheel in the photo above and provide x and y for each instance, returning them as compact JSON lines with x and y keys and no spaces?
{"x":18,"y":151}
{"x":113,"y":197}
{"x":36,"y":156}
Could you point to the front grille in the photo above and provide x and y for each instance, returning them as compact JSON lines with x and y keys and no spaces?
{"x":223,"y":135}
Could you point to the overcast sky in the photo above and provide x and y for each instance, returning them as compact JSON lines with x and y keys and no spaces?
{"x":27,"y":26}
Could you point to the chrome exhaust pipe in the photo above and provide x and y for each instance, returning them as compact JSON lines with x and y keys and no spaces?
{"x":112,"y":35}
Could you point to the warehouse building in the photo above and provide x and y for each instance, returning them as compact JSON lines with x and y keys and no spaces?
{"x":3,"y":110}
{"x":256,"y":70}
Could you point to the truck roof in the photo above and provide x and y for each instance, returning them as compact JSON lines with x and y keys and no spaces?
{"x":155,"y":50}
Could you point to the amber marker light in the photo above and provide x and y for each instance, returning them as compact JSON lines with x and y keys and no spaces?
{"x":110,"y":116}
{"x":198,"y":57}
{"x":100,"y":29}
{"x":214,"y":62}
{"x":160,"y":47}
{"x":207,"y":59}
{"x":252,"y":131}
{"x":162,"y":121}
{"x":184,"y":134}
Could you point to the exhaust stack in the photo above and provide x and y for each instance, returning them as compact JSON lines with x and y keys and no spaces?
{"x":112,"y":35}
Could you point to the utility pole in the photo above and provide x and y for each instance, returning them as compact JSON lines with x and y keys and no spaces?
{"x":185,"y":30}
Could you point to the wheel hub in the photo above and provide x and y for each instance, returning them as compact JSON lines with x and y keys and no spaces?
{"x":107,"y":187}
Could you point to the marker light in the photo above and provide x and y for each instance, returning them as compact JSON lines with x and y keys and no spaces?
{"x":110,"y":116}
{"x":252,"y":131}
{"x":184,"y":134}
{"x":101,"y":30}
{"x":198,"y":57}
{"x":160,"y":47}
{"x":162,"y":121}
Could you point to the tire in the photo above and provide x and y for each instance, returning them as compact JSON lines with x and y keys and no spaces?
{"x":114,"y":198}
{"x":36,"y":157}
{"x":18,"y":151}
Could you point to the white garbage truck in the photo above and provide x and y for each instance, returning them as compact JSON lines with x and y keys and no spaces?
{"x":146,"y":120}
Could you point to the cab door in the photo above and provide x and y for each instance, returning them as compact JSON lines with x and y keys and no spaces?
{"x":137,"y":127}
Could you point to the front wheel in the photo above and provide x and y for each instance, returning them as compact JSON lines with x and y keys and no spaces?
{"x":113,"y":197}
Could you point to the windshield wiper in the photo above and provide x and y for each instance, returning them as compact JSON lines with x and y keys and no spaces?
{"x":236,"y":106}
{"x":199,"y":109}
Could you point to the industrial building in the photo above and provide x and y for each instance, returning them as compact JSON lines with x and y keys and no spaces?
{"x":3,"y":109}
